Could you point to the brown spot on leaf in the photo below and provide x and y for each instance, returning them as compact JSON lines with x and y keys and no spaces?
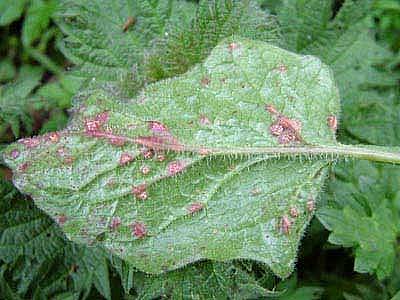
{"x":157,"y":127}
{"x":310,"y":205}
{"x":117,"y":141}
{"x":233,"y":46}
{"x":255,"y":192}
{"x":140,"y":192}
{"x":139,"y":229}
{"x":23,"y":167}
{"x":30,"y":142}
{"x":282,"y":68}
{"x":94,"y":125}
{"x":294,"y":212}
{"x":287,"y":130}
{"x":160,"y":157}
{"x":14,"y":153}
{"x":68,"y":160}
{"x":176,"y":167}
{"x":276,"y":129}
{"x":203,"y":151}
{"x":205,"y":81}
{"x":332,"y":122}
{"x":102,"y":117}
{"x":145,"y":170}
{"x":125,"y":158}
{"x":285,"y":225}
{"x":53,"y":137}
{"x":286,"y":137}
{"x":271,"y":109}
{"x":195,"y":207}
{"x":115,"y":223}
{"x":91,"y":126}
{"x":130,"y":21}
{"x":147,"y":153}
{"x":204,"y":120}
{"x":61,"y":151}
{"x":61,"y":219}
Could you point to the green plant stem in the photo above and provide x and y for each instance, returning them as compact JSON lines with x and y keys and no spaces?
{"x":367,"y":152}
{"x":374,"y":153}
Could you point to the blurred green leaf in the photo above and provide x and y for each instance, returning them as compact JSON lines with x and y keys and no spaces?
{"x":362,"y":211}
{"x":11,"y":10}
{"x":7,"y":70}
{"x":37,"y":20}
{"x":14,"y":100}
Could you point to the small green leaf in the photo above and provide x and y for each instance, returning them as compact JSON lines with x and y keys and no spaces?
{"x":182,"y":172}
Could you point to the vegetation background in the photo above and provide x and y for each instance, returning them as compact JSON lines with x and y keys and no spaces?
{"x":351,"y":250}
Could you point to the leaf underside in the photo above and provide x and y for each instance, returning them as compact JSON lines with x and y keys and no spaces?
{"x":141,"y":179}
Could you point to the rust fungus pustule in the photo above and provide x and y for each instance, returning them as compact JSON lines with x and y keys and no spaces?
{"x":203,"y":120}
{"x":276,"y":129}
{"x":282,"y":68}
{"x":140,"y":192}
{"x":160,"y":157}
{"x":205,"y":81}
{"x":30,"y":142}
{"x":233,"y":46}
{"x":157,"y":127}
{"x":332,"y":122}
{"x":130,"y":21}
{"x":125,"y":159}
{"x":203,"y":151}
{"x":147,"y":153}
{"x":286,"y":130}
{"x":195,"y":207}
{"x":115,"y":223}
{"x":24,"y":167}
{"x":53,"y":137}
{"x":176,"y":167}
{"x":139,"y":229}
{"x":61,"y":219}
{"x":94,"y":125}
{"x":294,"y":212}
{"x":285,"y":224}
{"x":145,"y":170}
{"x":310,"y":205}
{"x":68,"y":160}
{"x":117,"y":141}
{"x":14,"y":153}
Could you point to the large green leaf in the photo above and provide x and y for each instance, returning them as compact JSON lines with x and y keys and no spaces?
{"x":190,"y":169}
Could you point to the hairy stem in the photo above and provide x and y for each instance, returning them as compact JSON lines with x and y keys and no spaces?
{"x":367,"y":152}
{"x":372,"y":153}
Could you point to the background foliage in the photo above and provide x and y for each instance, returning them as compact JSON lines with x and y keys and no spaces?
{"x":51,"y":49}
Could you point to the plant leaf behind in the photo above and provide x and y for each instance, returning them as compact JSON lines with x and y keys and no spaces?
{"x":107,"y":40}
{"x":14,"y":100}
{"x":362,"y":212}
{"x":182,"y":206}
